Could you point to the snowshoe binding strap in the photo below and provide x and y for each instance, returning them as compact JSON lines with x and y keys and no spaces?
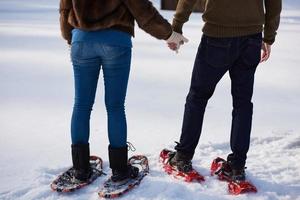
{"x":217,"y":166}
{"x":192,"y":175}
{"x":130,"y":147}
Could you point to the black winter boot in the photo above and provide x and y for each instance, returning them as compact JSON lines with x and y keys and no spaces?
{"x":182,"y":161}
{"x":236,"y":161}
{"x":238,"y":175}
{"x":118,"y":161}
{"x":237,"y":169}
{"x":81,"y":161}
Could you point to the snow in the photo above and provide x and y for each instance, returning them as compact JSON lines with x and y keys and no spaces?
{"x":36,"y":97}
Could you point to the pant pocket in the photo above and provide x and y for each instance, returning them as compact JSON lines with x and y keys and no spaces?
{"x":116,"y":57}
{"x":252,"y":52}
{"x":217,"y":52}
{"x":113,"y":52}
{"x":76,"y":50}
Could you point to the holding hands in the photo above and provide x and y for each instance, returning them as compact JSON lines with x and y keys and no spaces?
{"x":176,"y":40}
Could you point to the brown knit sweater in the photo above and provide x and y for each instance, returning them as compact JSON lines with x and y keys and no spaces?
{"x":232,"y":18}
{"x":119,"y":14}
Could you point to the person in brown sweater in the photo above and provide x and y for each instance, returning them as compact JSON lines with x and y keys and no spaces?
{"x":99,"y":33}
{"x":234,"y":34}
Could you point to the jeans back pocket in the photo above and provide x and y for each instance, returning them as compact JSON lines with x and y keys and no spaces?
{"x":252,"y":51}
{"x":217,"y":52}
{"x":76,"y":50}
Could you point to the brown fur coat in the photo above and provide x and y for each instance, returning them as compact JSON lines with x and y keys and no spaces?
{"x":119,"y":14}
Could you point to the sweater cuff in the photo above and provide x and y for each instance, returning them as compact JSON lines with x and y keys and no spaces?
{"x":177,"y":26}
{"x":268,"y":41}
{"x":269,"y":36}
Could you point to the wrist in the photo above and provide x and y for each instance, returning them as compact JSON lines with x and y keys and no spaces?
{"x":177,"y":26}
{"x":169,"y":35}
{"x":268,"y":41}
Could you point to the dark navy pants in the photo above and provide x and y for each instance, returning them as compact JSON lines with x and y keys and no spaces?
{"x":240,"y":56}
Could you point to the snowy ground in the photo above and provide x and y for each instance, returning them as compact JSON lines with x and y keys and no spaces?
{"x":36,"y":94}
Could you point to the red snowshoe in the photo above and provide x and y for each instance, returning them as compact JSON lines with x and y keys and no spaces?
{"x":190,"y":176}
{"x":222,"y":169}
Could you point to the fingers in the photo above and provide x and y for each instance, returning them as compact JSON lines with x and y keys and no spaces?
{"x":185,"y":40}
{"x":263,"y":56}
{"x":266,"y":51}
{"x":268,"y":47}
{"x":172,"y":46}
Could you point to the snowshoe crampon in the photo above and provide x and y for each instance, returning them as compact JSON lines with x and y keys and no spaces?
{"x":116,"y":189}
{"x":67,"y":183}
{"x":221,"y":168}
{"x":240,"y":187}
{"x":191,"y":176}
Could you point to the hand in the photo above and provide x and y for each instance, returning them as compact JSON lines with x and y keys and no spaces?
{"x":266,"y":51}
{"x":173,"y":46}
{"x":175,"y":40}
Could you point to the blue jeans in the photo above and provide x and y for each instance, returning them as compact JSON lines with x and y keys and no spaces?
{"x":240,"y":56}
{"x":87,"y":59}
